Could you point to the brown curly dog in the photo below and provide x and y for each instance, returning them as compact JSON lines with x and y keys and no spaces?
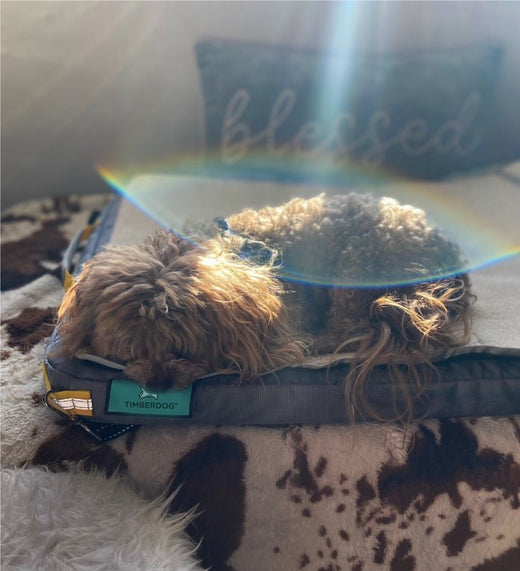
{"x":231,"y":299}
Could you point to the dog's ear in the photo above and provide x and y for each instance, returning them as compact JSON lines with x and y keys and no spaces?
{"x":407,"y":330}
{"x":173,"y":372}
{"x":248,"y":328}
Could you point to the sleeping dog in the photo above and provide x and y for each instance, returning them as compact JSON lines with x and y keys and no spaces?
{"x":266,"y":288}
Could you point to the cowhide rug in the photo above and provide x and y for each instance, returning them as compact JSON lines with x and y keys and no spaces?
{"x":441,"y":495}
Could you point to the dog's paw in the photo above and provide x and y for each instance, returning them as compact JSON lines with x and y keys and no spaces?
{"x":141,"y":371}
{"x":184,"y":372}
{"x":170,"y":373}
{"x":159,"y":385}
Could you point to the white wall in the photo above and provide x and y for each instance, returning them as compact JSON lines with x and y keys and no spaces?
{"x":95,"y":82}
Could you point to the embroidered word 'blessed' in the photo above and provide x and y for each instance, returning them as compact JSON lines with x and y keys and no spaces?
{"x":338,"y":139}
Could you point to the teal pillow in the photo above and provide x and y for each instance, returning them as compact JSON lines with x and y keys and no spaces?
{"x":423,"y":114}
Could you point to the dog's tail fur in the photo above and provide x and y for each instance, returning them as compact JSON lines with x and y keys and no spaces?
{"x":406,"y":330}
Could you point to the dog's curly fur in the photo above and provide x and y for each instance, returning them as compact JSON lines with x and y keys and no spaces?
{"x":174,"y":309}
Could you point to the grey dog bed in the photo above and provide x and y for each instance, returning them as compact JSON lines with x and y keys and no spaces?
{"x":479,"y":379}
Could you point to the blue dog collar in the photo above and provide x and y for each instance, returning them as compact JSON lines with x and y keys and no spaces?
{"x":253,"y":250}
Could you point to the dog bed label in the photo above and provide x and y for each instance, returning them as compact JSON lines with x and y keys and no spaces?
{"x":127,"y":397}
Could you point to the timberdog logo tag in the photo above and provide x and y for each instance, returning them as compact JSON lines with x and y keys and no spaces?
{"x":128,"y":397}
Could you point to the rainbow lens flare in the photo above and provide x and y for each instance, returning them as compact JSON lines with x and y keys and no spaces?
{"x":478,"y":213}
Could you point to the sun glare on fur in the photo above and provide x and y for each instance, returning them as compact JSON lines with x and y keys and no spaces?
{"x":189,"y":194}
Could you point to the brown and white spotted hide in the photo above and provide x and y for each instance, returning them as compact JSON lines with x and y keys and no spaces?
{"x":443,"y":495}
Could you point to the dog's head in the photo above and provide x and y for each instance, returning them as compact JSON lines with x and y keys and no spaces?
{"x":173,"y":311}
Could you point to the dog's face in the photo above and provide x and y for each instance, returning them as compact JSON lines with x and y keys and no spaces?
{"x":172,"y":311}
{"x":137,"y":305}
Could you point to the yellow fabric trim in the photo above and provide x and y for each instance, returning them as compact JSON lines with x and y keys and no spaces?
{"x":71,"y":403}
{"x":46,"y":380}
{"x":85,"y":235}
{"x":83,"y":394}
{"x":68,"y":280}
